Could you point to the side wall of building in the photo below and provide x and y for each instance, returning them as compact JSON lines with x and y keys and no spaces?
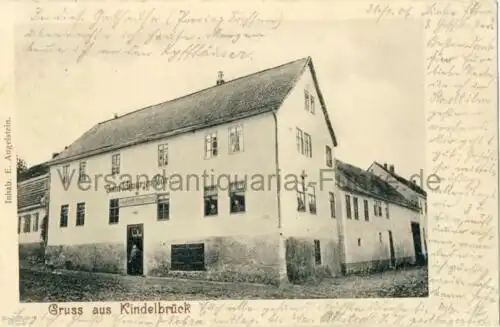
{"x":239,"y":246}
{"x":301,"y":229}
{"x":30,"y":239}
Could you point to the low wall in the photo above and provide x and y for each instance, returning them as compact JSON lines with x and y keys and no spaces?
{"x":365,"y":267}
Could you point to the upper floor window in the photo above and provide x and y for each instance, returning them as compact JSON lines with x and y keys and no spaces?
{"x":367,"y":215}
{"x":210,"y":200}
{"x":348,"y":206}
{"x":309,"y":103}
{"x":27,"y":224}
{"x":80,"y":214}
{"x":425,"y":207}
{"x":377,"y":208}
{"x":163,"y":207}
{"x":328,"y":154}
{"x":312,"y":200}
{"x":235,"y":139}
{"x":162,"y":155}
{"x":65,"y":174}
{"x":114,"y":211}
{"x":19,"y":219}
{"x":36,"y":221}
{"x":237,"y":196}
{"x":307,"y":145}
{"x":115,"y":164}
{"x":332,"y":204}
{"x":301,"y":198}
{"x":211,"y":145}
{"x":387,"y":210}
{"x":82,"y":171}
{"x":63,"y":222}
{"x":300,"y":141}
{"x":356,"y":210}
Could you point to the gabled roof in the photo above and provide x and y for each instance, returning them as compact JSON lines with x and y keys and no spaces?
{"x":34,"y":171}
{"x":357,"y":180}
{"x":414,"y":187}
{"x":242,"y":97}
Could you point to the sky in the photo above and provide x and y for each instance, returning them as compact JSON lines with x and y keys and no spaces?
{"x":371,"y":76}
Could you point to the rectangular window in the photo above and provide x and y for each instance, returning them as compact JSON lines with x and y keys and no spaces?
{"x":114,"y":211}
{"x":387,"y":210}
{"x":312,"y":200}
{"x":211,"y":146}
{"x":237,"y":197}
{"x":425,"y":207}
{"x":27,"y":224}
{"x":65,"y":174}
{"x":377,"y":208}
{"x":235,"y":139}
{"x":163,"y":206}
{"x":36,"y":221}
{"x":19,"y":219}
{"x":313,"y":105}
{"x":82,"y":171}
{"x":301,"y":198}
{"x":365,"y":204}
{"x":115,"y":164}
{"x":307,"y":145}
{"x":348,"y":206}
{"x":332,"y":204}
{"x":329,"y":159}
{"x":187,"y":257}
{"x":306,"y":100}
{"x":162,"y":155}
{"x":317,"y":252}
{"x":80,"y":214}
{"x":380,"y":237}
{"x":210,"y":200}
{"x":300,"y":141}
{"x":64,"y":216}
{"x":356,"y":210}
{"x":380,"y":208}
{"x":359,"y":242}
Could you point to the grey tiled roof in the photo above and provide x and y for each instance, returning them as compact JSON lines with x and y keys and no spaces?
{"x":242,"y":97}
{"x":360,"y":181}
{"x":404,"y":181}
{"x":32,"y":172}
{"x":30,"y":192}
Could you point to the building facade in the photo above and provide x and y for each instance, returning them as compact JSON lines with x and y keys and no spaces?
{"x":32,"y":202}
{"x":412,"y":193}
{"x":236,"y":182}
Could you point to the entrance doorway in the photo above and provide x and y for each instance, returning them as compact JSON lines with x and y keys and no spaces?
{"x":391,"y":248}
{"x":135,"y":254}
{"x":417,"y":243}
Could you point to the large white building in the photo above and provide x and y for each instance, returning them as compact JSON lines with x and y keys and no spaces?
{"x":32,"y":197}
{"x":170,"y":178}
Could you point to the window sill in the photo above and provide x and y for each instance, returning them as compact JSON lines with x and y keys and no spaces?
{"x":163,"y":219}
{"x":237,"y":212}
{"x":116,"y":223}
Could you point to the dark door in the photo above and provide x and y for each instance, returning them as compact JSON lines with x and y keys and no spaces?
{"x":135,"y":238}
{"x":391,"y":247}
{"x":417,"y":244}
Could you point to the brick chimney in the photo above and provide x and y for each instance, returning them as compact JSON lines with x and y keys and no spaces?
{"x":220,"y":78}
{"x":385,"y":165}
{"x":391,"y":168}
{"x":55,"y":154}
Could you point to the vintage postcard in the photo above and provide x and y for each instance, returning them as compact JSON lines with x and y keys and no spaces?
{"x":249,"y":163}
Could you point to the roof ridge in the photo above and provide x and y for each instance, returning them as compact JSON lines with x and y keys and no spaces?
{"x":207,"y":88}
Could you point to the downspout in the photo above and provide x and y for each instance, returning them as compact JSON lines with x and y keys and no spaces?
{"x":282,"y":266}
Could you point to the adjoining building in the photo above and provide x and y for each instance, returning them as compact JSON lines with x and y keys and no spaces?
{"x":412,"y":193}
{"x":32,"y":203}
{"x":197,"y":187}
{"x":379,"y":226}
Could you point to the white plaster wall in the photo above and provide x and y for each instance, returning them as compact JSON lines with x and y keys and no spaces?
{"x":187,"y":221}
{"x":31,"y":237}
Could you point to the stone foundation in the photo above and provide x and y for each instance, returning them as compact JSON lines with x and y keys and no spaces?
{"x":366,"y":267}
{"x":301,"y":264}
{"x":234,"y":259}
{"x":31,"y":251}
{"x":100,"y":257}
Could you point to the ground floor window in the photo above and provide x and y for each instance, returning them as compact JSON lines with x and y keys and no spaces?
{"x":188,"y":256}
{"x":317,"y":252}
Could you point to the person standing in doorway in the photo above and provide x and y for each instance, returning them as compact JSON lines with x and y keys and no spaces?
{"x":134,"y":257}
